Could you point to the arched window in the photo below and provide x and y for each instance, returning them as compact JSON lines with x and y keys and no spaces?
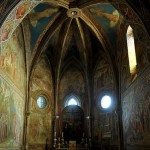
{"x":72,"y":100}
{"x":131,"y":50}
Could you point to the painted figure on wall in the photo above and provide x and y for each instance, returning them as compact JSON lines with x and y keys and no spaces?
{"x":21,"y":10}
{"x":11,"y":116}
{"x":40,"y":17}
{"x":12,"y":61}
{"x":40,"y":118}
{"x":39,"y":129}
{"x":103,"y":75}
{"x":136,"y":116}
{"x":6,"y":30}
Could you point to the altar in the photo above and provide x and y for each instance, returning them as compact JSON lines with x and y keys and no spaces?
{"x":72,"y":135}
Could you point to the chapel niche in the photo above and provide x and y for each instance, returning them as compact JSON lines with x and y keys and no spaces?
{"x":73,"y":123}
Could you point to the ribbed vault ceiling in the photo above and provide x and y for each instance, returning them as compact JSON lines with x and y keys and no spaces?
{"x":74,"y":33}
{"x":71,"y":32}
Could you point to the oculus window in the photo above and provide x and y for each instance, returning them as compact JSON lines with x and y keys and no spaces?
{"x":41,"y":102}
{"x":106,"y":102}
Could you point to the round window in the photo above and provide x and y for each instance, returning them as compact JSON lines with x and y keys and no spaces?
{"x":41,"y":102}
{"x":106,"y":102}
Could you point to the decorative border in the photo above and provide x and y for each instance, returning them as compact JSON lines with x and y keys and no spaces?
{"x":15,"y":17}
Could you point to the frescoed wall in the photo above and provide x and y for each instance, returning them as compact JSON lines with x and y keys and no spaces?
{"x":11,"y":115}
{"x":71,"y":82}
{"x":142,"y":47}
{"x":12,"y":91}
{"x":12,"y":60}
{"x":141,"y":41}
{"x":40,"y":119}
{"x":105,"y":124}
{"x":136,"y":116}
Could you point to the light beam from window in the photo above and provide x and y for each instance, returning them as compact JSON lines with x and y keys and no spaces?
{"x":131,"y":50}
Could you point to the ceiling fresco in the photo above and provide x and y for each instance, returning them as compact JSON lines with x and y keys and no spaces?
{"x":42,"y":13}
{"x":105,"y":14}
{"x":40,"y":16}
{"x":14,"y":19}
{"x":108,"y":17}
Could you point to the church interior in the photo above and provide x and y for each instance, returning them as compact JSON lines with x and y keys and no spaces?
{"x":74,"y":75}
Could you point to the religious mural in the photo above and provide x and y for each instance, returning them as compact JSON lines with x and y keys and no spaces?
{"x":108,"y":17}
{"x":42,"y":79}
{"x":41,"y":118}
{"x":39,"y":129}
{"x":12,"y":100}
{"x":17,"y":14}
{"x":6,"y":30}
{"x":40,"y":17}
{"x":12,"y":60}
{"x":22,"y":10}
{"x":142,"y":48}
{"x":103,"y":76}
{"x":105,"y":124}
{"x":71,"y":82}
{"x":136,"y":116}
{"x":11,"y":115}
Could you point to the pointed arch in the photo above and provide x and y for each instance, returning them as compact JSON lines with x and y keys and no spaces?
{"x":131,"y":51}
{"x":72,"y":100}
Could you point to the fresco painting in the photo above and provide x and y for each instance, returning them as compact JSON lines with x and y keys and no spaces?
{"x":42,"y":131}
{"x":14,"y":18}
{"x":12,"y":70}
{"x":105,"y":124}
{"x":41,"y":84}
{"x":142,"y":47}
{"x":6,"y":30}
{"x":71,"y":82}
{"x":11,"y":116}
{"x":40,"y":17}
{"x":103,"y":76}
{"x":22,"y":10}
{"x":108,"y":17}
{"x":136,"y":114}
{"x":12,"y":60}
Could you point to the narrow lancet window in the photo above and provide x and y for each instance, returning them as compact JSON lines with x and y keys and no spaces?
{"x":131,"y":51}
